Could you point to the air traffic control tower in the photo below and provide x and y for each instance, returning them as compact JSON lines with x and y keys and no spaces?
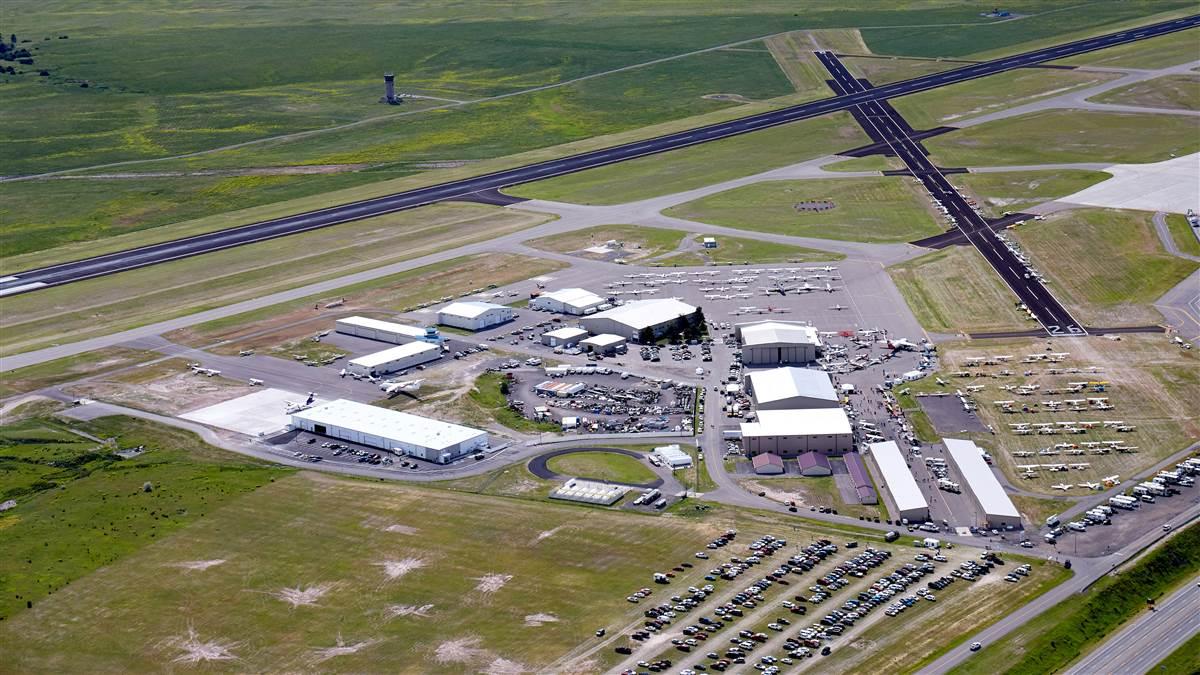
{"x":389,"y":89}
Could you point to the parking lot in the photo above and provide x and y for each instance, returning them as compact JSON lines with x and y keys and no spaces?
{"x":776,"y":606}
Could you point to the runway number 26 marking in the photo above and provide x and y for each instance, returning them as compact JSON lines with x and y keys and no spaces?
{"x":1055,"y":329}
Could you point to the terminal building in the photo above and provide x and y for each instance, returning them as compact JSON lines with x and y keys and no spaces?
{"x":993,"y":502}
{"x":790,"y":388}
{"x":577,"y":301}
{"x":659,"y":316}
{"x":391,"y":430}
{"x":386,"y":331}
{"x":898,"y":480}
{"x":777,"y":343}
{"x":403,"y":357}
{"x":790,"y":433}
{"x":474,"y":315}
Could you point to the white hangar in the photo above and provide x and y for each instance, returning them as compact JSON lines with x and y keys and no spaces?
{"x":474,"y":315}
{"x":391,"y":430}
{"x":776,"y":343}
{"x":631,"y":318}
{"x":789,"y":388}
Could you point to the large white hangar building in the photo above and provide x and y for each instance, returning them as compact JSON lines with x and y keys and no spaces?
{"x":790,"y":388}
{"x":631,"y":318}
{"x":391,"y":430}
{"x":777,"y":343}
{"x":474,"y":315}
{"x":898,"y":480}
{"x":408,"y":355}
{"x":385,"y":331}
{"x":997,"y":508}
{"x":576,"y":301}
{"x":789,"y":433}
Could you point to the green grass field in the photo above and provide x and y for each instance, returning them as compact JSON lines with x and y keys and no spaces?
{"x":602,"y":466}
{"x":808,"y":492}
{"x":886,"y":70}
{"x":701,"y":165}
{"x":1183,"y":234}
{"x":1000,"y":192}
{"x":1171,"y":91}
{"x":1107,"y":266}
{"x":954,"y":290}
{"x":1068,"y":136}
{"x":181,"y":287}
{"x":1057,"y":637}
{"x":1159,"y":52}
{"x":866,"y":209}
{"x":81,"y":508}
{"x":871,"y":163}
{"x":948,"y":105}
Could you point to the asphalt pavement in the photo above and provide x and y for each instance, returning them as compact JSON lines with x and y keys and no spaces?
{"x":882,"y":121}
{"x":32,"y":280}
{"x":1150,"y":638}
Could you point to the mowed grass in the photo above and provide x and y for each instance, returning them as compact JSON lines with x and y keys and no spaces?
{"x":637,"y":241}
{"x":46,"y":214}
{"x":1159,"y":52}
{"x":473,"y":571}
{"x":866,"y":209}
{"x":1183,"y":234}
{"x":177,"y":288}
{"x":739,"y":250}
{"x":809,"y":491}
{"x":1037,"y":509}
{"x":1172,"y":91}
{"x":58,"y":371}
{"x":1016,"y":191}
{"x":948,"y":105}
{"x":954,"y":290}
{"x":1057,"y":637}
{"x":884,"y":70}
{"x":1152,"y":385}
{"x":86,"y":508}
{"x":606,"y":466}
{"x":1068,"y":136}
{"x":1108,"y":266}
{"x":700,"y":165}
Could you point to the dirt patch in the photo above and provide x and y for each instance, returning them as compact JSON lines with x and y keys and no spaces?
{"x":814,"y":206}
{"x":198,"y":565}
{"x":394,"y":569}
{"x":462,"y":650}
{"x":377,"y":523}
{"x":394,"y":611}
{"x":303,"y":597}
{"x":505,"y":667}
{"x":168,"y":388}
{"x":546,"y":534}
{"x":535,"y":620}
{"x":340,"y":648}
{"x":490,"y":583}
{"x":196,"y":650}
{"x":737,"y":98}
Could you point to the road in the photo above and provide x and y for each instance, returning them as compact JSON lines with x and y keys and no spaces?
{"x":1087,"y":572}
{"x":883,"y":123}
{"x":32,"y":280}
{"x":1148,"y":639}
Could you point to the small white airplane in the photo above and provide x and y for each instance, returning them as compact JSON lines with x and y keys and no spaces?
{"x":1062,"y":486}
{"x":254,"y":382}
{"x":838,"y":308}
{"x":1090,"y":486}
{"x":397,"y":387}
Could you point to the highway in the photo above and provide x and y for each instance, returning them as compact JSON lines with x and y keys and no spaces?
{"x":32,"y":280}
{"x":1150,"y":638}
{"x":883,"y":123}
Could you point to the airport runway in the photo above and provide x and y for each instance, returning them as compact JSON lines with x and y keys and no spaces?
{"x":881,"y":121}
{"x":1150,"y":638}
{"x":32,"y":280}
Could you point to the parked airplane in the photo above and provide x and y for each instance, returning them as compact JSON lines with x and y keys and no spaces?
{"x":1090,"y":486}
{"x":838,"y":308}
{"x":1062,"y":486}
